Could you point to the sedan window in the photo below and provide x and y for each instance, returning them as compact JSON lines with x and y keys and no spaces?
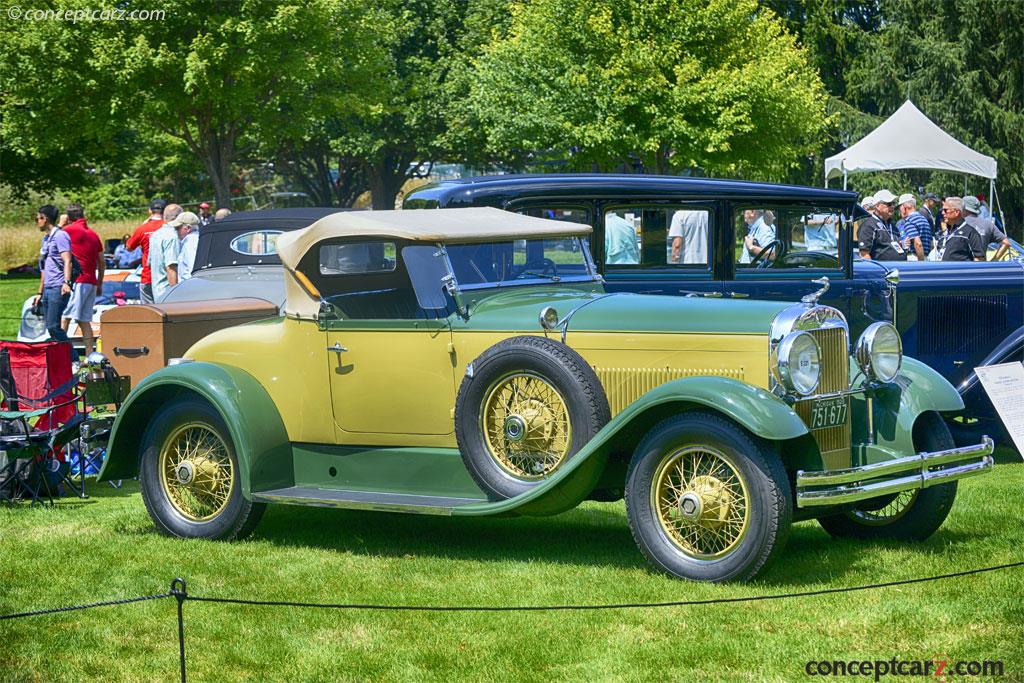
{"x":788,"y":237}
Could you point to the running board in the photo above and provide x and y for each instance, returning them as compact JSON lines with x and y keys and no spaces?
{"x":364,"y":500}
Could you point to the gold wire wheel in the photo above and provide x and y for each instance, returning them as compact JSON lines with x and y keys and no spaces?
{"x":526,"y":425}
{"x":196,"y":471}
{"x":887,"y":513}
{"x":701,"y":502}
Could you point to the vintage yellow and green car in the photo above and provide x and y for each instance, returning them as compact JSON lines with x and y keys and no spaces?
{"x":469,"y":362}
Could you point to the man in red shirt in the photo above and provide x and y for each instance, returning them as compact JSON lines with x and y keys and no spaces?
{"x":87,"y":247}
{"x":140,"y":238}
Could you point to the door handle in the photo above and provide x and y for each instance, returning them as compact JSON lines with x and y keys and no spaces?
{"x":337,"y":348}
{"x":131,"y":352}
{"x":738,"y":295}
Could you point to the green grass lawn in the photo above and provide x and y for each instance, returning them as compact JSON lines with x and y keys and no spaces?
{"x":106,"y":547}
{"x":13,"y":292}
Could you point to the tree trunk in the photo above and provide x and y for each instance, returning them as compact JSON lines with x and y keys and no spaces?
{"x":217,"y":160}
{"x":387,"y":175}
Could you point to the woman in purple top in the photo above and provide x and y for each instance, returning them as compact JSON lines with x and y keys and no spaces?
{"x":55,"y":271}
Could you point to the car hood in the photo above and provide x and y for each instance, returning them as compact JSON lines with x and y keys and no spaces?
{"x":599,"y":311}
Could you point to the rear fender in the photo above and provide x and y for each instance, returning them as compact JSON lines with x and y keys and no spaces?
{"x":255,"y":426}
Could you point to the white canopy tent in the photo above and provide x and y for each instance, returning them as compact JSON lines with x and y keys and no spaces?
{"x":909,"y":139}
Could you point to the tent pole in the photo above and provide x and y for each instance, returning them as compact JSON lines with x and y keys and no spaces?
{"x":991,"y":202}
{"x":844,"y":178}
{"x":965,"y":184}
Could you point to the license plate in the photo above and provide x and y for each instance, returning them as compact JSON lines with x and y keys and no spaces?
{"x":829,"y":412}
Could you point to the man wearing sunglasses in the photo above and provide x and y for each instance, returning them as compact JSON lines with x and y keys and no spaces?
{"x":959,"y":241}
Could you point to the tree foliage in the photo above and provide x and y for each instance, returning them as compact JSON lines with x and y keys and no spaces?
{"x":719,"y":85}
{"x":216,"y":76}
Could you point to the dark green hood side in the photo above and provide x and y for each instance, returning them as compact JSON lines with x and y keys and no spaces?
{"x":597,"y":311}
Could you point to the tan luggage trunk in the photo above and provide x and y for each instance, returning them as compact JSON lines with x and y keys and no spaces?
{"x":140,"y":339}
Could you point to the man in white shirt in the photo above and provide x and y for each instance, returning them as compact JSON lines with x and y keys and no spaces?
{"x":688,"y":234}
{"x":164,"y":249}
{"x":188,"y":236}
{"x":760,"y":233}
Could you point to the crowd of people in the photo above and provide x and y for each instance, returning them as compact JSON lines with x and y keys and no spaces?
{"x":72,"y":265}
{"x":949,"y":229}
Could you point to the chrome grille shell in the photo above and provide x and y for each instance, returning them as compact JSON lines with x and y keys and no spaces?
{"x":830,"y":330}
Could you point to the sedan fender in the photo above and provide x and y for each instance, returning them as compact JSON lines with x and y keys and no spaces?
{"x":256,"y":429}
{"x":753,"y":408}
{"x":916,"y":390}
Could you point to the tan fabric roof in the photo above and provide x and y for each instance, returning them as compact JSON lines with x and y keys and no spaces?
{"x":426,"y":225}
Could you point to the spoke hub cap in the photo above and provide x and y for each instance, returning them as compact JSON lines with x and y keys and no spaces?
{"x":515,"y":428}
{"x":185,"y":472}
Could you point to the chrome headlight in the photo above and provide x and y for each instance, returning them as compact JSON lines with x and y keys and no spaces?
{"x":879,"y":352}
{"x":797,"y":363}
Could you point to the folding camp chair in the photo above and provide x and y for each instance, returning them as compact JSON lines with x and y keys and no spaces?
{"x":41,"y":412}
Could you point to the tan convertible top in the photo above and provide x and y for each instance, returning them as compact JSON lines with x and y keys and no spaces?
{"x":426,"y":225}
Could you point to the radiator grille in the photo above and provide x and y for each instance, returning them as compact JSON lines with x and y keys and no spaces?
{"x":833,"y":442}
{"x":959,"y":324}
{"x":625,"y":385}
{"x":835,"y":361}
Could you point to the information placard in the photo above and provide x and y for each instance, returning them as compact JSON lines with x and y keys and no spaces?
{"x":1004,"y":384}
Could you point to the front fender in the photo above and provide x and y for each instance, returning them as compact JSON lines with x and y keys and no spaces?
{"x":917,"y":389}
{"x":751,"y":407}
{"x":255,"y":426}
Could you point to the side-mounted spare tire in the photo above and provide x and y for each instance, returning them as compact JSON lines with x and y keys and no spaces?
{"x":526,"y":406}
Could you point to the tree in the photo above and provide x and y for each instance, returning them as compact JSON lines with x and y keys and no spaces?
{"x":216,"y":76}
{"x":406,"y":118}
{"x":677,"y":84}
{"x":959,"y":61}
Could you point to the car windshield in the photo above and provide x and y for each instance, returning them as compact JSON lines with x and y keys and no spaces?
{"x":521,"y":262}
{"x":516,"y":262}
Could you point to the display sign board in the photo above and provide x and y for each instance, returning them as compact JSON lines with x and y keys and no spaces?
{"x":1004,"y":384}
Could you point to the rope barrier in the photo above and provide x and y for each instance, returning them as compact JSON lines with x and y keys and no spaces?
{"x":76,"y":608}
{"x":178,"y":590}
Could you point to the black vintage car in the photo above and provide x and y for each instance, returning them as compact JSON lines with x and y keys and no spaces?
{"x":699,"y":237}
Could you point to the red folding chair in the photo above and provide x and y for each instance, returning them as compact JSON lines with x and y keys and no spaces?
{"x":40,"y":413}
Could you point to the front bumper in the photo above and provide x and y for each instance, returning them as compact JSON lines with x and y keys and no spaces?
{"x":837,"y":487}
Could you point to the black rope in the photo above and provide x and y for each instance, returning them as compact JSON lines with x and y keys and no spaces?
{"x":75,"y":608}
{"x":626,"y":605}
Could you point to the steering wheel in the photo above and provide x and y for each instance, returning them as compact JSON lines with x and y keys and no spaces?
{"x":763,"y":258}
{"x":540,"y":266}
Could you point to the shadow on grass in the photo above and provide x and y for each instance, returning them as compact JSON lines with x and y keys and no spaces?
{"x":589,"y":536}
{"x":595,"y":536}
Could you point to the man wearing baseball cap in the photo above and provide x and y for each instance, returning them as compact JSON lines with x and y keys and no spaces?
{"x":140,"y":238}
{"x":985,"y":227}
{"x":914,"y":229}
{"x":876,"y":237}
{"x":205,"y":217}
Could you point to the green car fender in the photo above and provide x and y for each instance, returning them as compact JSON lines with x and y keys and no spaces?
{"x":917,"y":389}
{"x":256,"y":429}
{"x":751,"y":407}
